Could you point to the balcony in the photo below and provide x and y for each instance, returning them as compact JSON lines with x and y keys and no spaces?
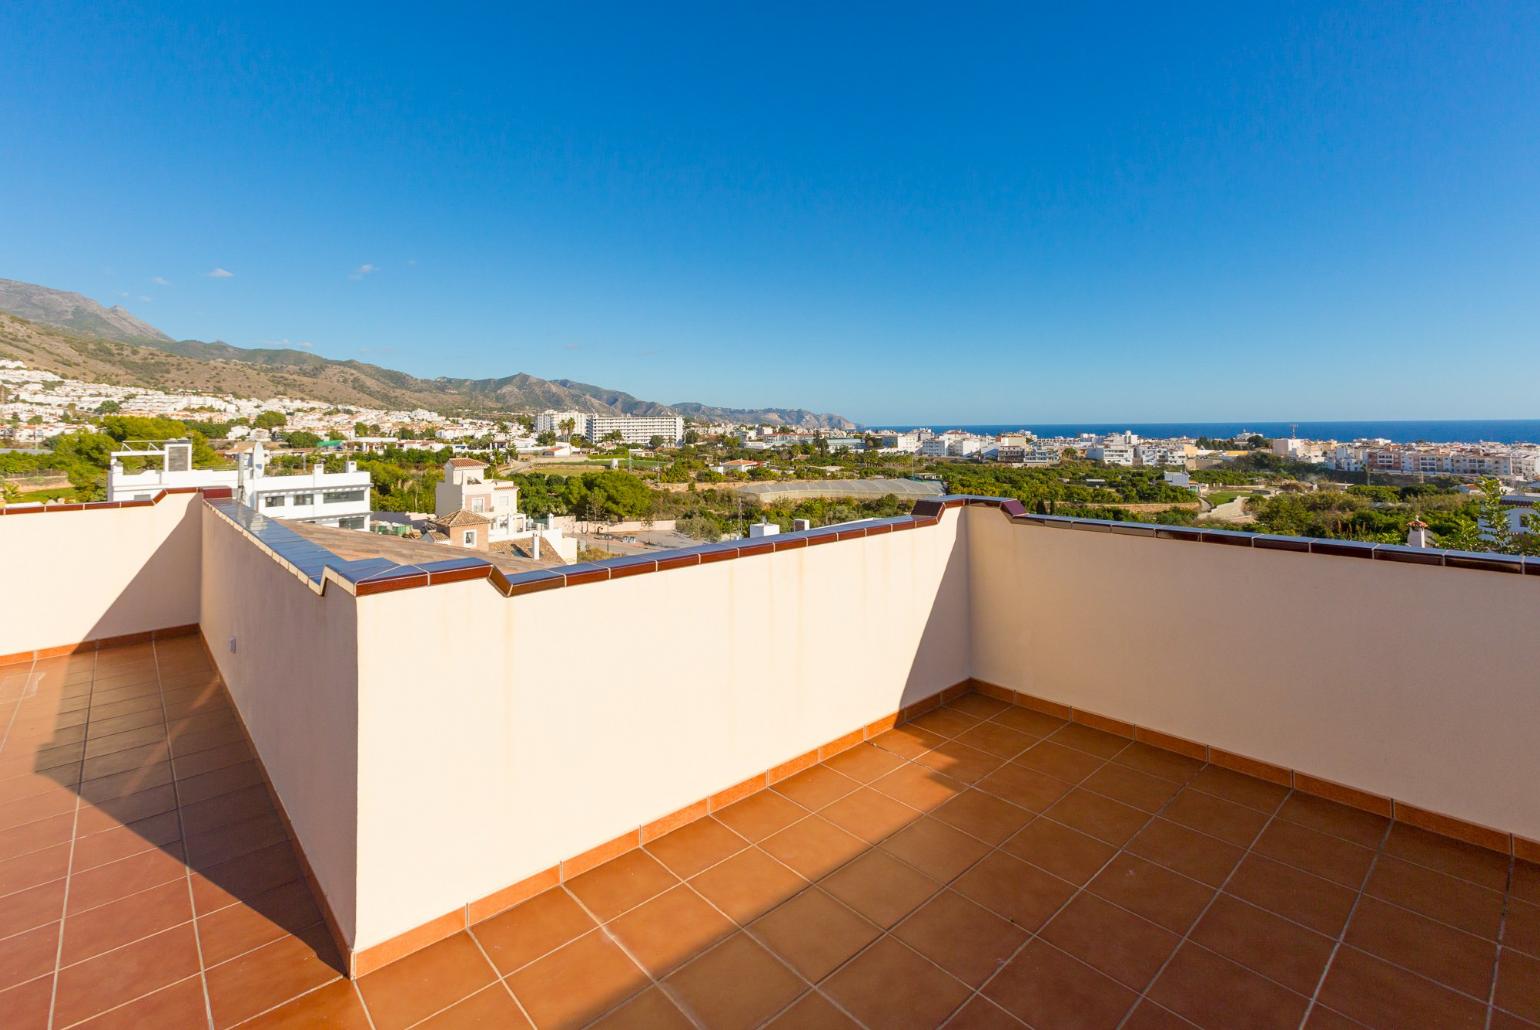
{"x":969,"y":767}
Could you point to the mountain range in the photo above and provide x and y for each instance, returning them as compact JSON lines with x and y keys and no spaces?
{"x":73,"y":336}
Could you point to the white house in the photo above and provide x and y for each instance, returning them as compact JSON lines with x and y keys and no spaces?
{"x":338,"y":499}
{"x":467,"y":488}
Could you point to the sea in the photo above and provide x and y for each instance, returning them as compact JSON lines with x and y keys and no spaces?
{"x":1521,"y":430}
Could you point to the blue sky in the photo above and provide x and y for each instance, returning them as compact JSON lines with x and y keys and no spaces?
{"x":899,"y":213}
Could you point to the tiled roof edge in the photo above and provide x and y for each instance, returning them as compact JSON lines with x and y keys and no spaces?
{"x":51,"y":509}
{"x":314,"y":564}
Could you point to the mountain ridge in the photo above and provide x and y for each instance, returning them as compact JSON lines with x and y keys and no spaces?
{"x":73,"y":336}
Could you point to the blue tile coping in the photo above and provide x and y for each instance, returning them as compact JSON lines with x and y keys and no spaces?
{"x":313,"y":563}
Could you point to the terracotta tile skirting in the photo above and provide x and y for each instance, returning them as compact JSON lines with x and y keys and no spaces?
{"x":1434,"y":822}
{"x":215,"y":492}
{"x":99,"y":644}
{"x":451,"y":923}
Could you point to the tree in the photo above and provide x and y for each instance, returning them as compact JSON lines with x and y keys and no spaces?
{"x":546,"y":439}
{"x":656,"y":442}
{"x":1493,"y":519}
{"x":567,"y":426}
{"x":108,"y":408}
{"x":300,"y":438}
{"x":270,"y":420}
{"x":691,"y":436}
{"x":614,"y":436}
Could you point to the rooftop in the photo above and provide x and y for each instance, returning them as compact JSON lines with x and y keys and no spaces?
{"x":353,"y":545}
{"x":983,"y":862}
{"x":808,"y":800}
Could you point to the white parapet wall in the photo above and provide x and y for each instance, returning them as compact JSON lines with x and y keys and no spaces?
{"x":1413,"y":682}
{"x":289,"y":658}
{"x":73,"y":576}
{"x":499,"y":736}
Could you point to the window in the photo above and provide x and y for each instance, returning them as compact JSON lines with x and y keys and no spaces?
{"x":344,"y":496}
{"x":468,"y":538}
{"x":352,"y":522}
{"x":273,"y":500}
{"x":304,"y":498}
{"x":478,"y":504}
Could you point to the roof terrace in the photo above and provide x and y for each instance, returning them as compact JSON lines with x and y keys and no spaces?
{"x":989,"y":770}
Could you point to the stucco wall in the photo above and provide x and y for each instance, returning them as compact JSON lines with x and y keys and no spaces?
{"x":511,"y":733}
{"x":294,"y":677}
{"x":1407,"y":681}
{"x":71,"y":576}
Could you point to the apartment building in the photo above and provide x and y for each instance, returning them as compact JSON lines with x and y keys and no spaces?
{"x":562,"y":423}
{"x":637,"y":429}
{"x":340,"y":499}
{"x":1113,"y":453}
{"x":633,"y":429}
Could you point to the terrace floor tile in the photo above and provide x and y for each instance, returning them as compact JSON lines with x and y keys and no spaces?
{"x":974,"y":874}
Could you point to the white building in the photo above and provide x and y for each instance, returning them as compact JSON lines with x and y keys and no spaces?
{"x":637,"y":429}
{"x":330,"y":498}
{"x":562,"y":423}
{"x":1113,"y":453}
{"x":465,"y":487}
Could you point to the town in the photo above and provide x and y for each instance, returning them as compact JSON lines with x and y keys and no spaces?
{"x":563,"y":486}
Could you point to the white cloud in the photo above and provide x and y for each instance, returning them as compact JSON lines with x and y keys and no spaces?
{"x":363,"y":270}
{"x":160,"y":280}
{"x":220,"y":273}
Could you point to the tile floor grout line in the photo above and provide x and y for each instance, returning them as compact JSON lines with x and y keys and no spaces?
{"x":53,"y":999}
{"x":176,"y":793}
{"x":470,"y":931}
{"x":302,"y":994}
{"x":358,"y":993}
{"x":1278,"y":816}
{"x":603,"y":928}
{"x":920,"y":813}
{"x":1036,"y":933}
{"x":947,"y":885}
{"x":124,"y":1004}
{"x":1144,"y":995}
{"x":1497,"y":957}
{"x":21,"y":695}
{"x":744,"y":928}
{"x":1331,"y":957}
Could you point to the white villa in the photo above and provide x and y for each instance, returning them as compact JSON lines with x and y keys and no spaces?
{"x":466,"y":487}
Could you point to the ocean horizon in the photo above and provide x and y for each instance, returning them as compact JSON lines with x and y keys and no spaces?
{"x":1398,"y":431}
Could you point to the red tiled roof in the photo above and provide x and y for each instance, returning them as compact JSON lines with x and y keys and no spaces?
{"x":465,"y":463}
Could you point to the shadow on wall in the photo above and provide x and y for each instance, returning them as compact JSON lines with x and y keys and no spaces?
{"x":942,"y":656}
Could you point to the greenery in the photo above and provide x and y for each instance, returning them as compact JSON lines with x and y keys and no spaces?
{"x":83,"y":457}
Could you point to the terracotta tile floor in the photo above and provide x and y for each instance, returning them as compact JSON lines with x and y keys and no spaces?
{"x":982,"y":866}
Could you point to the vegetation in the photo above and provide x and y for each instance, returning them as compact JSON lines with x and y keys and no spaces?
{"x":82,"y":457}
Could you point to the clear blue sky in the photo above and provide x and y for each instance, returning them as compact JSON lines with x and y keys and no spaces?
{"x":926,"y":213}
